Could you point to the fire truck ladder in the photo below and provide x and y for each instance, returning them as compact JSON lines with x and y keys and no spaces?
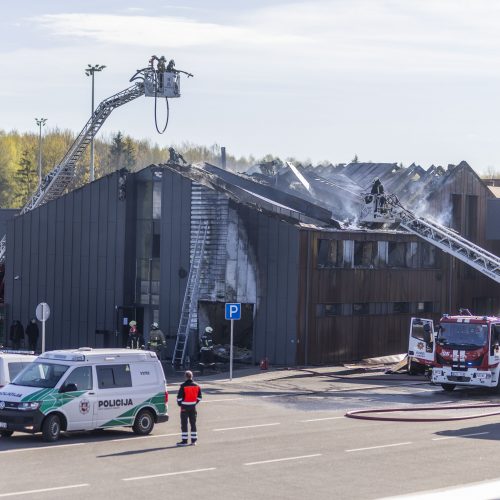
{"x":190,"y":302}
{"x":61,"y":176}
{"x":389,"y":208}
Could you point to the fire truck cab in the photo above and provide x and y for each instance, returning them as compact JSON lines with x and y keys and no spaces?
{"x":462,"y":350}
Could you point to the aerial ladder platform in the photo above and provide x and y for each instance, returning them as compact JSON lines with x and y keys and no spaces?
{"x":156,"y":80}
{"x":386,"y":208}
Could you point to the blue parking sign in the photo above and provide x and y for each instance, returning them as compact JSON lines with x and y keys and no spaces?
{"x":233,"y":311}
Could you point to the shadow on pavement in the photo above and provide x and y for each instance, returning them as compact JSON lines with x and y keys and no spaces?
{"x":490,"y":432}
{"x":140,"y":452}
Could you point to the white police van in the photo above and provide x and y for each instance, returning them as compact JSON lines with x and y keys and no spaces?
{"x":85,"y":389}
{"x":13,"y":362}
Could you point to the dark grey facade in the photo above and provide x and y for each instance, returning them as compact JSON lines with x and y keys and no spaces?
{"x":100,"y":257}
{"x":71,"y":254}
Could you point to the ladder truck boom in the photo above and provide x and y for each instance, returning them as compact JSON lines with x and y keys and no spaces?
{"x":159,"y":81}
{"x":382,"y":208}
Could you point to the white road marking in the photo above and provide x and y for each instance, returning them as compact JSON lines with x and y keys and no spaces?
{"x":167,"y":474}
{"x":320,"y":419}
{"x":17,"y":450}
{"x":381,"y":446}
{"x":220,"y":400}
{"x":245,"y":427}
{"x":131,"y":438}
{"x":283,"y":459}
{"x":459,"y":436}
{"x":479,"y":491}
{"x":43,"y":490}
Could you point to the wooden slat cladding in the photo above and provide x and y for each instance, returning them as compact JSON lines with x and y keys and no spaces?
{"x":345,"y":337}
{"x":378,"y":327}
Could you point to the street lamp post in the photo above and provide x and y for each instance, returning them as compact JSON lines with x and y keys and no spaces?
{"x":89,"y":71}
{"x":40,"y":122}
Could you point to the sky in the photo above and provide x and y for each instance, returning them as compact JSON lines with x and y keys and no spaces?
{"x":386,"y":80}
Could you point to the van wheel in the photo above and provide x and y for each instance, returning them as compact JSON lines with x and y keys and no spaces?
{"x":448,"y":387}
{"x":51,"y":428}
{"x":6,"y":434}
{"x":144,"y":423}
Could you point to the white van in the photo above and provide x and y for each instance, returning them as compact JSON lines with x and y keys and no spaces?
{"x":13,"y":362}
{"x":85,"y":389}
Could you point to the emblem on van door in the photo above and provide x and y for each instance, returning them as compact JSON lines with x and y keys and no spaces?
{"x":2,"y":405}
{"x":84,"y":406}
{"x":420,"y":346}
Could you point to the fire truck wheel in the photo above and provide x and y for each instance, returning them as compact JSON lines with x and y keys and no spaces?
{"x":6,"y":434}
{"x":448,"y":387}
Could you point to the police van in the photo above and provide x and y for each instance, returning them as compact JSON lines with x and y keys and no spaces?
{"x":13,"y":362}
{"x":85,"y":389}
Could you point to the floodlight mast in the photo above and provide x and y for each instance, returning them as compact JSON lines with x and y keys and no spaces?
{"x":152,"y":81}
{"x":90,"y":71}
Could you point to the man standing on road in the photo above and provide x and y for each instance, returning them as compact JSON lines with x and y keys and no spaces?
{"x":188,"y":397}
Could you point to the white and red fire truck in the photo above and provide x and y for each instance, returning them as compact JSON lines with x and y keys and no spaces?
{"x":461,"y":350}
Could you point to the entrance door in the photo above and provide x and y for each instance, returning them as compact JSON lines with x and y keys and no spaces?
{"x":124,"y":315}
{"x":422,"y":342}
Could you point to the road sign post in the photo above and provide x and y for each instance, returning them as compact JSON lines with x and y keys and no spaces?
{"x":233,"y":313}
{"x":42,"y":314}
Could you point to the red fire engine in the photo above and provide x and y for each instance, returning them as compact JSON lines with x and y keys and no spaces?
{"x":462,"y":350}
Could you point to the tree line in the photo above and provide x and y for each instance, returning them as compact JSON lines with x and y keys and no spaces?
{"x":19,"y":159}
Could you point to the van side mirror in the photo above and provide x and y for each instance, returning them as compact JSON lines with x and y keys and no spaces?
{"x":68,"y":388}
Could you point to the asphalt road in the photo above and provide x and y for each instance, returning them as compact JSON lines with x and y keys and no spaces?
{"x":273,"y":437}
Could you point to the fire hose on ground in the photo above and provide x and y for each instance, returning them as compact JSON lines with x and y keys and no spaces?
{"x":368,"y":414}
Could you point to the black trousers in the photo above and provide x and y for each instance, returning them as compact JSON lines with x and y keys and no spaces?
{"x":33,"y":341}
{"x":188,"y":414}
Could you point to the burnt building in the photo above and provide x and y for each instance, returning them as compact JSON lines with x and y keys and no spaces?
{"x":315,"y":286}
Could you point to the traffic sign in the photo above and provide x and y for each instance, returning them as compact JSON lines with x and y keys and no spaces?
{"x":233,"y":311}
{"x":42,"y":311}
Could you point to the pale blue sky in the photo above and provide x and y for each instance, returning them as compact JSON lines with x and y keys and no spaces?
{"x":408,"y":80}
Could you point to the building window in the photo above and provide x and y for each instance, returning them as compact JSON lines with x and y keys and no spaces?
{"x":471,"y":217}
{"x":360,"y":308}
{"x":424,"y":307}
{"x":328,"y":310}
{"x":429,"y":256}
{"x":365,"y":253}
{"x":456,"y":212}
{"x":378,"y":308}
{"x":330,"y":253}
{"x":398,"y":254}
{"x":400,"y":307}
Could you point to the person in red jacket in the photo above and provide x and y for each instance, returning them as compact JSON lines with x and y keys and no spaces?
{"x":188,"y":397}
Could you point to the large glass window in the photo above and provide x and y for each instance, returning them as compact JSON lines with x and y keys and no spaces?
{"x":148,"y":243}
{"x":396,"y":256}
{"x":330,"y":253}
{"x":429,"y":256}
{"x":365,"y":253}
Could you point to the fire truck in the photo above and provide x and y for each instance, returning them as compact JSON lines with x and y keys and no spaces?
{"x":461,"y":350}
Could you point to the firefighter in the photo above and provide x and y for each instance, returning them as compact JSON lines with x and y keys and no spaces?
{"x":188,"y":397}
{"x":156,"y":340}
{"x":135,"y":339}
{"x":207,"y":358}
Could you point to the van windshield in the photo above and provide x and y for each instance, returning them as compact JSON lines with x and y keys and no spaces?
{"x":45,"y":375}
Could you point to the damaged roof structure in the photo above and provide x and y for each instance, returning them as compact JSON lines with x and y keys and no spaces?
{"x":283,"y":240}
